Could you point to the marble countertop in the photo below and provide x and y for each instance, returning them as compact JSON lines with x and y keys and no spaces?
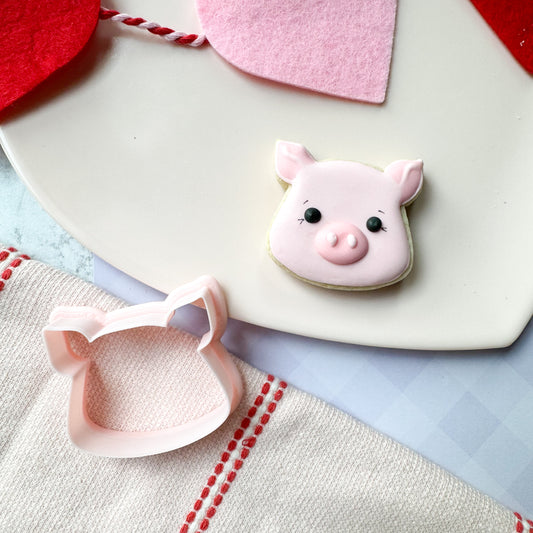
{"x":26,"y":226}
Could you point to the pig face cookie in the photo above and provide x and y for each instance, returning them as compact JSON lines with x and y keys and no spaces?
{"x":342,"y":224}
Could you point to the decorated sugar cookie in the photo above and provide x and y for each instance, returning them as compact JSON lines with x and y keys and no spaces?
{"x":342,"y":224}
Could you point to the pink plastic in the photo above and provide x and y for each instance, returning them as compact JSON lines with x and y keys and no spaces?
{"x":93,"y":323}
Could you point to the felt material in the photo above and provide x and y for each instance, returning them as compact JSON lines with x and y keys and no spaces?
{"x":512,"y":21}
{"x":340,"y":47}
{"x":37,"y":38}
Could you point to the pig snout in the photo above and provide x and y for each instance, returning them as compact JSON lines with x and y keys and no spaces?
{"x":341,"y":243}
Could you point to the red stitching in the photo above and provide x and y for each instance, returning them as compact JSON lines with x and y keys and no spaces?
{"x":247,"y":444}
{"x":522,"y":523}
{"x":7,"y":273}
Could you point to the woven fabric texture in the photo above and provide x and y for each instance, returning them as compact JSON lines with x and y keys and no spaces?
{"x":309,"y":468}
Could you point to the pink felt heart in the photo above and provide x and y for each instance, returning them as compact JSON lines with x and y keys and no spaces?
{"x":37,"y":38}
{"x":338,"y":47}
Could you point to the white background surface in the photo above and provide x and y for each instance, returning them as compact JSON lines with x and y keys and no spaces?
{"x":160,"y":159}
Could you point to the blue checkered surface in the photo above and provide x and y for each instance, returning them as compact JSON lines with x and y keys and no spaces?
{"x":470,"y":412}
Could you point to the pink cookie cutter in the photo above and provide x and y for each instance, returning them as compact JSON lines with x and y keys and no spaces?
{"x":93,"y":323}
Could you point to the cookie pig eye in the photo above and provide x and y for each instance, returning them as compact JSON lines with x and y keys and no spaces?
{"x":374,"y":224}
{"x":312,"y":215}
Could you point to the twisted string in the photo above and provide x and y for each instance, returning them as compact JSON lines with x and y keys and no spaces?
{"x":178,"y":37}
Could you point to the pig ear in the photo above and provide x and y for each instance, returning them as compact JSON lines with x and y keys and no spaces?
{"x":408,"y":174}
{"x":290,"y":159}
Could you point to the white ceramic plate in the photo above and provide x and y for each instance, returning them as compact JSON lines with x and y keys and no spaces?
{"x":160,"y":160}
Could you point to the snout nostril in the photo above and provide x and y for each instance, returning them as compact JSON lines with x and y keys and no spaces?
{"x":332,"y":238}
{"x":341,"y":243}
{"x":352,"y":241}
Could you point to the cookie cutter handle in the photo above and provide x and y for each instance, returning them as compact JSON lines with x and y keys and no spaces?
{"x":207,"y":293}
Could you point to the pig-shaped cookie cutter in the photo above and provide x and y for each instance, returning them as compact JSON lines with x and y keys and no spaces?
{"x":342,"y":224}
{"x":93,"y":323}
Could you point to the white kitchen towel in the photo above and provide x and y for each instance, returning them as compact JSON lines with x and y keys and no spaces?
{"x":284,"y":461}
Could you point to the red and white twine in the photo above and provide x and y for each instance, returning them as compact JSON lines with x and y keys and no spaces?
{"x":177,"y":37}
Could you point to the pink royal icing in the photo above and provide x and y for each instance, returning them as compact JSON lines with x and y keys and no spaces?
{"x":343,"y":224}
{"x":341,"y":243}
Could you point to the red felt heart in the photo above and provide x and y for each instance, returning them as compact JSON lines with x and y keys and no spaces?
{"x":37,"y":38}
{"x":512,"y":21}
